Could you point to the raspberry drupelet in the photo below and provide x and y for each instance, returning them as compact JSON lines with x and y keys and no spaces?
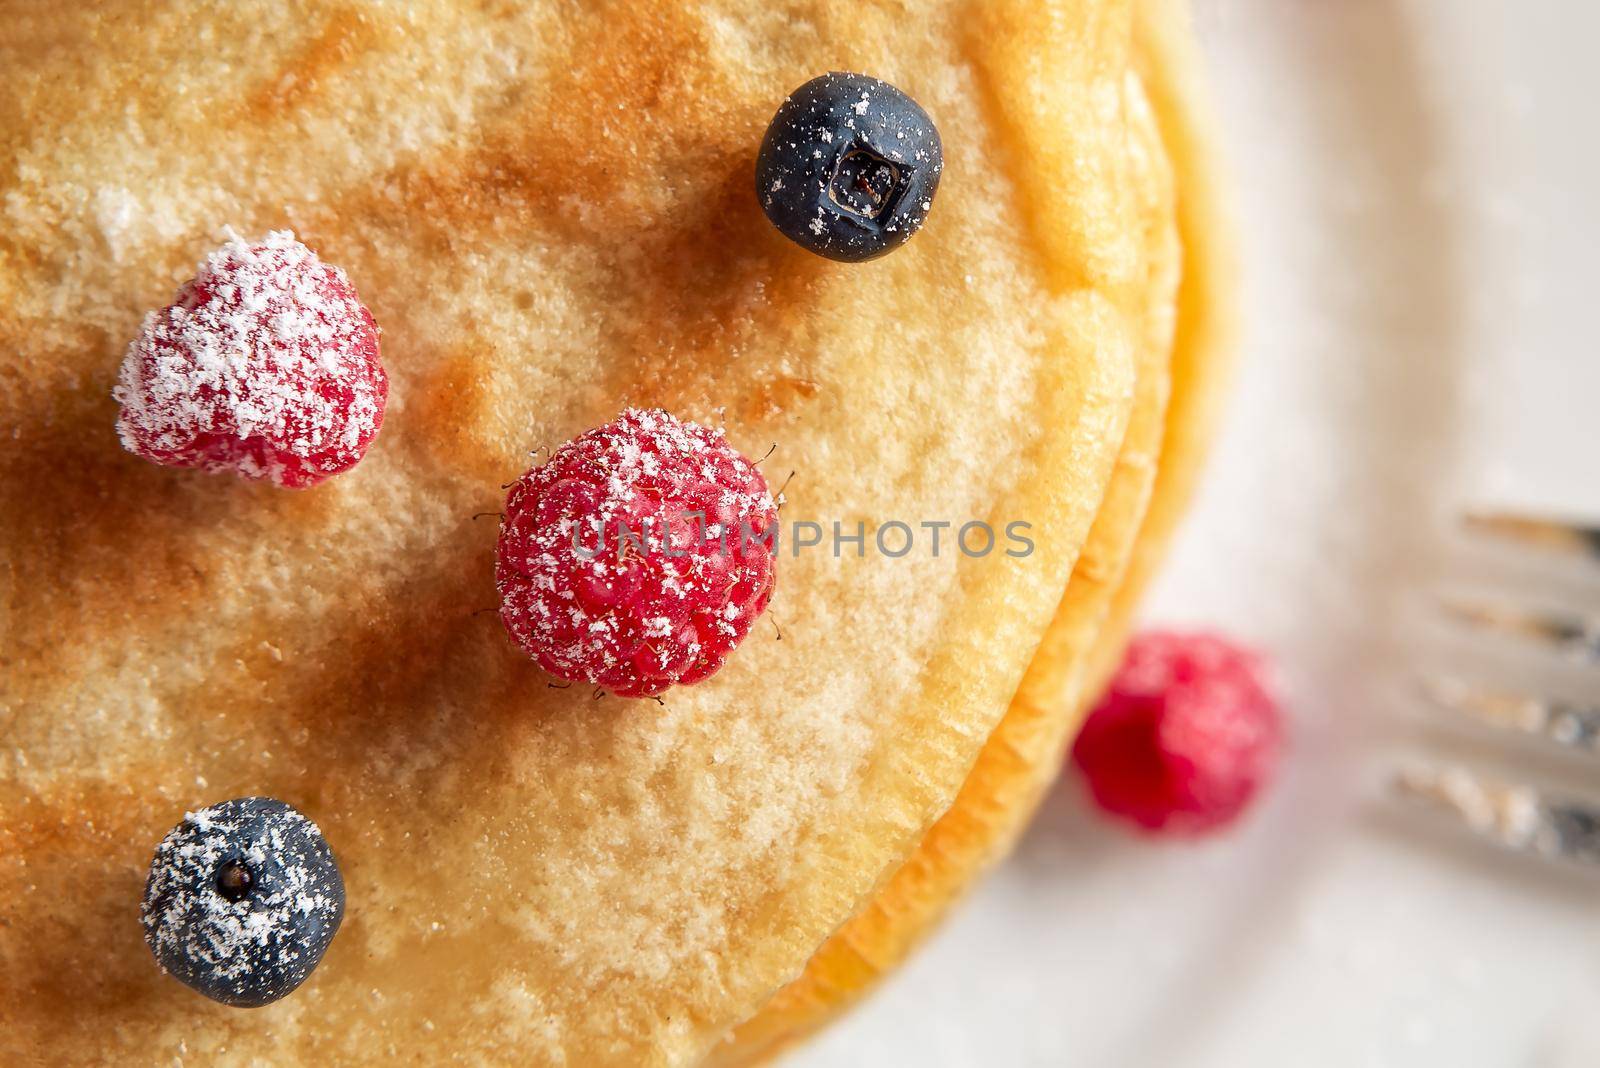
{"x":638,"y":556}
{"x":1186,"y":735}
{"x":266,"y":364}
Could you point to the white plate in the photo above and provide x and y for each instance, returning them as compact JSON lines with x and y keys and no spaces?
{"x":1418,"y":190}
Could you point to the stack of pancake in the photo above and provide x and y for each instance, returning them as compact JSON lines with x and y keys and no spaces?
{"x":549,"y":209}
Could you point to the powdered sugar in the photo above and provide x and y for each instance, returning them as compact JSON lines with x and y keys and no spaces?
{"x":266,"y":364}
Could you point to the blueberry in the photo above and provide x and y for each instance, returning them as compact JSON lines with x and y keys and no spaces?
{"x":849,"y":167}
{"x":242,"y":901}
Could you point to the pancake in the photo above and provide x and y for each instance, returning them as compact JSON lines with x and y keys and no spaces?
{"x":547,"y":209}
{"x":1207,"y":313}
{"x":1158,"y":466}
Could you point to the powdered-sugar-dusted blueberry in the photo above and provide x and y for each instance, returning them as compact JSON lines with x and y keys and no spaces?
{"x":266,"y":365}
{"x":242,"y":900}
{"x":849,"y":167}
{"x":638,"y":556}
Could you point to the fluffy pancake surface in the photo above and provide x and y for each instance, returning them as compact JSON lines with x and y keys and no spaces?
{"x":1187,"y":346}
{"x":548,"y":210}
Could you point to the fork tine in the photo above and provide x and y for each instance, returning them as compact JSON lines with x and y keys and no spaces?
{"x":1568,"y":725}
{"x":1540,"y":532}
{"x":1519,"y":818}
{"x":1569,"y":632}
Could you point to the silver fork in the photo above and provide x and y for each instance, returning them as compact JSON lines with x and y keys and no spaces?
{"x":1520,"y":816}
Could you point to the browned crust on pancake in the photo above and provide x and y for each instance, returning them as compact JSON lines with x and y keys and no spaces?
{"x":531,"y":874}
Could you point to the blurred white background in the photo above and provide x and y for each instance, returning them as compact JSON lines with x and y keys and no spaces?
{"x":1417,"y":190}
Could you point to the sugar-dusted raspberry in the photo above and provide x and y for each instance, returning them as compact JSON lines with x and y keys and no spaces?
{"x":1185,"y":736}
{"x":638,"y":556}
{"x":266,"y":364}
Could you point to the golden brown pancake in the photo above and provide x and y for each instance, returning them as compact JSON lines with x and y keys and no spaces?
{"x":547,"y":208}
{"x":1018,"y":760}
{"x":1158,"y":465}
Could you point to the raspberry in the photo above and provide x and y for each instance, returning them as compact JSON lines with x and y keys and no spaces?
{"x":266,"y":364}
{"x":638,"y":556}
{"x":1185,"y":736}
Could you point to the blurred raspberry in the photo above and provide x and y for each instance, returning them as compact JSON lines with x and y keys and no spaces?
{"x":1185,"y":736}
